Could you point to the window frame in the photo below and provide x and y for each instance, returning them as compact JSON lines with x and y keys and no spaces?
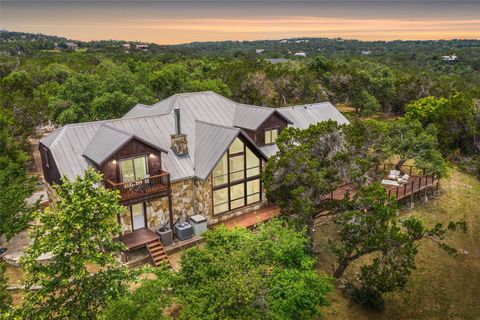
{"x":229,"y":184}
{"x":269,"y":132}
{"x":132,"y":158}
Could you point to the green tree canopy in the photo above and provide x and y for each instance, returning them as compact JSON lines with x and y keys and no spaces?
{"x":82,"y":274}
{"x":240,"y":274}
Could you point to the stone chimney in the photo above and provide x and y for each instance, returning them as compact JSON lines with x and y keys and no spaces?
{"x":179,"y":140}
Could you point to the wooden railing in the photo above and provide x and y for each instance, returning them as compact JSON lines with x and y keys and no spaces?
{"x":136,"y":188}
{"x":419,"y":180}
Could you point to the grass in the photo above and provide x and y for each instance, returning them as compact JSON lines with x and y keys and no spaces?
{"x":442,"y":286}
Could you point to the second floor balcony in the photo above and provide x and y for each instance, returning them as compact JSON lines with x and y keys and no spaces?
{"x":155,"y":185}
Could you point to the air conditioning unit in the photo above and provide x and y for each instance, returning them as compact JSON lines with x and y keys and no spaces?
{"x":183,"y":231}
{"x":166,"y":236}
{"x":199,"y":224}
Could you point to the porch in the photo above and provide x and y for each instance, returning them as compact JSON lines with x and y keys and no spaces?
{"x":157,"y":186}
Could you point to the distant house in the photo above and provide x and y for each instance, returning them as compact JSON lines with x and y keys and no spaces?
{"x":450,"y":59}
{"x":366,"y":52}
{"x":300,"y":54}
{"x":71,"y":46}
{"x":258,"y":51}
{"x":190,"y":154}
{"x":283,"y":41}
{"x":143,"y":47}
{"x":126,"y":46}
{"x":277,"y":60}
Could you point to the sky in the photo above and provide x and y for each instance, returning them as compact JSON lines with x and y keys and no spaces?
{"x":172,"y":22}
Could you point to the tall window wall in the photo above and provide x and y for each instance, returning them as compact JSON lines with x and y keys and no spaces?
{"x":236,"y":179}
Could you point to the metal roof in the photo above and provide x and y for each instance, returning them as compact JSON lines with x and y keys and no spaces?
{"x":105,"y":143}
{"x":207,"y":119}
{"x":303,"y":116}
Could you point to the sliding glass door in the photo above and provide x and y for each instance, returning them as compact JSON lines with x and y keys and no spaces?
{"x":138,"y":216}
{"x":133,"y":168}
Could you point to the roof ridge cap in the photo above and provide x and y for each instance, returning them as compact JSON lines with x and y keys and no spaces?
{"x":216,"y":125}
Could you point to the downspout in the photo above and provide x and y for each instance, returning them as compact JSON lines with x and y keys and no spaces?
{"x":194,"y":203}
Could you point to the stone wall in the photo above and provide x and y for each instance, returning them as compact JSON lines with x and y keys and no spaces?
{"x":183,"y":206}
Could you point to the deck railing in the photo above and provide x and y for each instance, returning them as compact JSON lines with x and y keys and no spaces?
{"x":420,"y":179}
{"x":136,"y":188}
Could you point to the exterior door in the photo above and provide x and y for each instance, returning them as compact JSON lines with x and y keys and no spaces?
{"x":138,"y":216}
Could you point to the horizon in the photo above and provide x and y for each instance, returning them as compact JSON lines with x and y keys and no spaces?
{"x":167,"y":23}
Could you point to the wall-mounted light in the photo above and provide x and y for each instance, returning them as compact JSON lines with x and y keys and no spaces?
{"x":151,"y":155}
{"x":114,"y":161}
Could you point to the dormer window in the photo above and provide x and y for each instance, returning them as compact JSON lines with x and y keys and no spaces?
{"x":271,"y":135}
{"x":133,"y":168}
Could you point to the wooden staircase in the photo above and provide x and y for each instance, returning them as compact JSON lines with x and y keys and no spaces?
{"x":157,"y":253}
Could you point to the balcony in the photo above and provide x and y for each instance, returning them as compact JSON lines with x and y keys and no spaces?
{"x":144,"y":189}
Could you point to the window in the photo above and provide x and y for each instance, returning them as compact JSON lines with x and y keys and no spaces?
{"x":47,"y":159}
{"x":133,"y":168}
{"x":271,"y":136}
{"x":236,"y":179}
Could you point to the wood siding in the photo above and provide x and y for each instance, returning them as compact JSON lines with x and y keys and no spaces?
{"x":50,"y":172}
{"x":274,"y":121}
{"x":111,"y":170}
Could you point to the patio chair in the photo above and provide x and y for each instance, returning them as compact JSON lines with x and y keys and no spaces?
{"x":404,"y":178}
{"x":394,"y":174}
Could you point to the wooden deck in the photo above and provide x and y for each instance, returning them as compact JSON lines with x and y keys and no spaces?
{"x":138,"y":239}
{"x":414,"y":185}
{"x":250,"y":219}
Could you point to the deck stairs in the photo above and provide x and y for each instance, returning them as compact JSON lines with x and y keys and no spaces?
{"x":157,"y":253}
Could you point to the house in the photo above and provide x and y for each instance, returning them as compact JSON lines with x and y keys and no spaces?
{"x":450,"y":59}
{"x":258,"y":51}
{"x":366,"y":52}
{"x":277,"y":60}
{"x":143,"y":47}
{"x":126,"y":46}
{"x":189,"y":154}
{"x":71,"y":46}
{"x":300,"y":54}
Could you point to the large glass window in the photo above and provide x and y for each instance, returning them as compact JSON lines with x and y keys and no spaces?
{"x":133,"y":168}
{"x":271,"y":136}
{"x":235,"y":178}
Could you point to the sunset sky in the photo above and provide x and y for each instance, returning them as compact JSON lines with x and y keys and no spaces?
{"x":169,"y":22}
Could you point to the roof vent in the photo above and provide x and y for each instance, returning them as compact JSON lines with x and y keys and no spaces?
{"x":179,"y":140}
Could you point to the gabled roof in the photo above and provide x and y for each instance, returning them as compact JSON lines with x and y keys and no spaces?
{"x":251,"y":117}
{"x":209,"y":120}
{"x":211,"y":142}
{"x":107,"y":141}
{"x":305,"y":115}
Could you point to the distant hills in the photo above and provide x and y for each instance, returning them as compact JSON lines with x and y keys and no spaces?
{"x":13,"y":43}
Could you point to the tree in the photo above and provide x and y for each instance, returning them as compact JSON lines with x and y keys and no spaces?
{"x":148,"y":301}
{"x":368,"y":225}
{"x":239,"y":274}
{"x":5,"y":298}
{"x":82,"y":274}
{"x":310,"y":164}
{"x":410,"y":141}
{"x":454,"y":119}
{"x":17,"y":186}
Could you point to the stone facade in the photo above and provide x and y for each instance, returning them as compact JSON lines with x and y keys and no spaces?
{"x":188,"y":198}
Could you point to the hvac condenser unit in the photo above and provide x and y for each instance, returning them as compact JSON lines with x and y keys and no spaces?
{"x":199,"y":224}
{"x":183,"y":231}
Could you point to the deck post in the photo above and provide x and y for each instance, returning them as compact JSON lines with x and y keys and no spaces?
{"x":170,"y":209}
{"x":425,"y":197}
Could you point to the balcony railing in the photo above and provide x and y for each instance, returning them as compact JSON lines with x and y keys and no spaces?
{"x":136,"y":188}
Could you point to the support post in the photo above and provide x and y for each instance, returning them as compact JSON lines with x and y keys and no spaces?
{"x":170,"y":209}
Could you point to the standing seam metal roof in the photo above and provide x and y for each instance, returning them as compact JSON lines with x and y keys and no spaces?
{"x":207,"y":119}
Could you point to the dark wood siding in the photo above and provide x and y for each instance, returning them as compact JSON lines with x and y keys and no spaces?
{"x":50,"y":170}
{"x":110,"y":168}
{"x":274,"y":121}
